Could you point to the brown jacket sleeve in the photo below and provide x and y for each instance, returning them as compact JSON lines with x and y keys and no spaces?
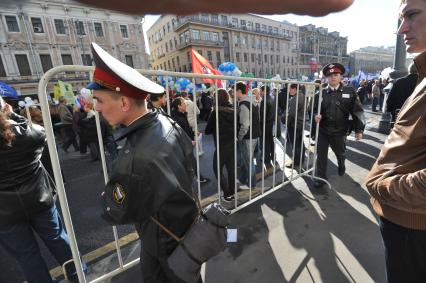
{"x":401,"y":190}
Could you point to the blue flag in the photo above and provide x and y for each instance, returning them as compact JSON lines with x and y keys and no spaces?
{"x":7,"y":91}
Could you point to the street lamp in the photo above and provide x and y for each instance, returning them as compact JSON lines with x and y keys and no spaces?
{"x":399,"y":67}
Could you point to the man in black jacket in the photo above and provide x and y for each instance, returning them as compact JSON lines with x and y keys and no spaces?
{"x":338,"y":102}
{"x":402,"y":88}
{"x":152,"y":176}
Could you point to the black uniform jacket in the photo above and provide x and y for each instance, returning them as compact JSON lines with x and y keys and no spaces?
{"x":336,"y":107}
{"x":25,"y":187}
{"x":152,"y":176}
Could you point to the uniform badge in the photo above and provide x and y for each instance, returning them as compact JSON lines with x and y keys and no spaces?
{"x":118,"y":193}
{"x":346,"y":95}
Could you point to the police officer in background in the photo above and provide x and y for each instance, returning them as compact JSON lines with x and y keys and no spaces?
{"x":338,"y":103}
{"x":151,"y":179}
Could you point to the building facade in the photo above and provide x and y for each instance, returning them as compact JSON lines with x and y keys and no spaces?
{"x":255,"y":44}
{"x":371,"y":59}
{"x":40,"y":35}
{"x":318,"y":47}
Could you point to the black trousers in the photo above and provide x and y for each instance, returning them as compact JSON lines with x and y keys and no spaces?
{"x":226,"y":158}
{"x":405,"y":253}
{"x":269,"y":142}
{"x":70,"y":137}
{"x":298,"y":148}
{"x":156,"y":269}
{"x":337,"y":144}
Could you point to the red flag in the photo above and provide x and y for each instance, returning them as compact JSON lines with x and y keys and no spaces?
{"x":201,"y":66}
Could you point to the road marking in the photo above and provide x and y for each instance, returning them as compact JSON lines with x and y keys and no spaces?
{"x":100,"y":252}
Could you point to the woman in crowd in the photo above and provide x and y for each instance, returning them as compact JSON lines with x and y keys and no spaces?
{"x":27,"y":200}
{"x":179,"y":115}
{"x":226,"y":143}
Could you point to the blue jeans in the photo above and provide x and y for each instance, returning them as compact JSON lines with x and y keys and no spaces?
{"x":19,"y":240}
{"x":245,"y":163}
{"x":405,"y":253}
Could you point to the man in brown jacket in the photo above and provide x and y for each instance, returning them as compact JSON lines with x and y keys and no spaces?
{"x":397,"y":181}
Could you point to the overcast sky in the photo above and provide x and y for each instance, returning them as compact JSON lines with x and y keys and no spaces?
{"x":365,"y":23}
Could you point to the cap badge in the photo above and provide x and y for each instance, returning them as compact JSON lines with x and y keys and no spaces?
{"x":119,"y":194}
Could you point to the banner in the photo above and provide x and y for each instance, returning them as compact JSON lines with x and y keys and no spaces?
{"x":64,"y":89}
{"x":201,"y":66}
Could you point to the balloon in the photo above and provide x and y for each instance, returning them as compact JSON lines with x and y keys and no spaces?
{"x":86,"y":94}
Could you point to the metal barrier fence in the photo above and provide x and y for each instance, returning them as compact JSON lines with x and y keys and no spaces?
{"x":281,"y":146}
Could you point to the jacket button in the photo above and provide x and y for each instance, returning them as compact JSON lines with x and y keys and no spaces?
{"x":127,"y":151}
{"x":108,"y":208}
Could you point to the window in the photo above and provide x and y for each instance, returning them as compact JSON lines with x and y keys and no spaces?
{"x":245,"y":57}
{"x":79,"y":28}
{"x":12,"y":24}
{"x":195,"y":34}
{"x":244,"y":40}
{"x":234,"y":22}
{"x":99,"y":32}
{"x":224,"y":20}
{"x":249,"y":25}
{"x":218,"y":59}
{"x":278,"y":59}
{"x":23,"y":64}
{"x":214,"y":36}
{"x":257,"y":27}
{"x":85,"y":58}
{"x":46,"y":62}
{"x":215,"y":19}
{"x":266,"y":58}
{"x":168,"y":27}
{"x":2,"y":70}
{"x":171,"y":45}
{"x":236,"y":40}
{"x":60,"y":27}
{"x":188,"y":56}
{"x":205,"y":18}
{"x":205,"y":35}
{"x":199,"y":51}
{"x":123,"y":30}
{"x":177,"y":60}
{"x":209,"y":56}
{"x":252,"y":57}
{"x":66,"y":59}
{"x":173,"y":62}
{"x":237,"y":55}
{"x":168,"y":65}
{"x":272,"y":59}
{"x":243,"y":23}
{"x":37,"y":25}
{"x":167,"y":47}
{"x":275,"y":30}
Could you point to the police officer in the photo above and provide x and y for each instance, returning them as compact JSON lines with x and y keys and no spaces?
{"x":151,"y":179}
{"x":338,"y":103}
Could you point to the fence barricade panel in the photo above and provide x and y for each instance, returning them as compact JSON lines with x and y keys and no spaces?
{"x":262,"y":173}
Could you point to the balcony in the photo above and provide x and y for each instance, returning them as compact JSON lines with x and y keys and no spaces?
{"x":185,"y":21}
{"x":199,"y":42}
